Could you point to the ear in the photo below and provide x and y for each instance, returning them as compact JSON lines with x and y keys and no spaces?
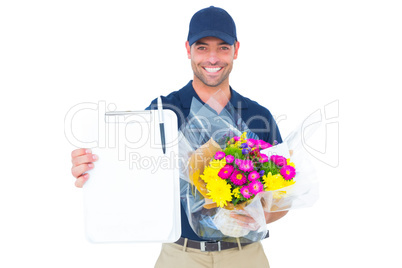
{"x":188,"y":48}
{"x":236,"y":47}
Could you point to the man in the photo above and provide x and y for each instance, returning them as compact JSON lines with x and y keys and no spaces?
{"x":212,"y":47}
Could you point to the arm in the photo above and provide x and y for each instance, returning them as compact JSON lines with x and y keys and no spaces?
{"x":274,"y":216}
{"x":82,"y":160}
{"x":248,"y":222}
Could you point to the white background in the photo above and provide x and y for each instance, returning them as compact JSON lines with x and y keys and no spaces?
{"x":295,"y":57}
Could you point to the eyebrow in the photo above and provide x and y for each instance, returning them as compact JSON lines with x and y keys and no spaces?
{"x":198,"y":43}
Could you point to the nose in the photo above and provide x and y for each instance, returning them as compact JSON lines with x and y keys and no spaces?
{"x":213,"y":58}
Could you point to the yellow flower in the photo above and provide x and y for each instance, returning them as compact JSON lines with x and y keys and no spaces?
{"x":290,"y":163}
{"x":220,"y":192}
{"x":236,"y":192}
{"x":217,"y":164}
{"x":276,"y":182}
{"x":243,"y":136}
{"x":211,"y":171}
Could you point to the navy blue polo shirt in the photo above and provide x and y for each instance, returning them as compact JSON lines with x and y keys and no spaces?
{"x":258,"y":119}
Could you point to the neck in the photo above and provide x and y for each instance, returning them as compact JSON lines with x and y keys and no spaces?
{"x":206,"y":92}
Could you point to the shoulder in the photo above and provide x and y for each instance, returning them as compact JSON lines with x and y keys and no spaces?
{"x":253,"y":106}
{"x":170,"y":99}
{"x":174,"y":102}
{"x":170,"y":102}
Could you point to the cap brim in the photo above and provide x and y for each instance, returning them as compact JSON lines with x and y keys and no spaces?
{"x":223,"y":36}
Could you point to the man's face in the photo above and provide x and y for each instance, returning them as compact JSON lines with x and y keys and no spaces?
{"x":212,"y":60}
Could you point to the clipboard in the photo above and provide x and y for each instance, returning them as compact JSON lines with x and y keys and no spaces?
{"x":133,"y":194}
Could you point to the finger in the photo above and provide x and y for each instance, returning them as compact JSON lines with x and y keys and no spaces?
{"x":77,"y":171}
{"x":242,"y":218}
{"x":82,"y":159}
{"x":242,"y":221}
{"x":81,"y":151}
{"x":245,"y":221}
{"x":79,"y":183}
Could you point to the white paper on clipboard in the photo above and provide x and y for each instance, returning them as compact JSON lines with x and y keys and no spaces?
{"x":133,"y":193}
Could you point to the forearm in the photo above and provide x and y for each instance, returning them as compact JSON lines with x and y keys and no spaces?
{"x":246,"y":220}
{"x":274,"y":216}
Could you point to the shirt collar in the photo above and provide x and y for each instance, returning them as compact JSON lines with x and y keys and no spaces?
{"x":187,"y":93}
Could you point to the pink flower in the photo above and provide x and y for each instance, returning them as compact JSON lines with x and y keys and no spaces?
{"x":246,"y":165}
{"x":256,"y":187}
{"x":238,"y":178}
{"x":245,"y":191}
{"x":278,"y":160}
{"x":238,"y":162}
{"x":263,"y":144}
{"x":251,"y":143}
{"x":288,"y":172}
{"x":236,"y":138}
{"x":254,"y":175}
{"x":225,"y":172}
{"x":219,"y":155}
{"x":263,"y":158}
{"x":229,"y":159}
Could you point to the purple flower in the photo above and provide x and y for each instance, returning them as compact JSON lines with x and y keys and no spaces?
{"x":246,"y":165}
{"x":262,"y":172}
{"x":226,"y":171}
{"x":243,"y":145}
{"x":219,"y":155}
{"x":245,"y":151}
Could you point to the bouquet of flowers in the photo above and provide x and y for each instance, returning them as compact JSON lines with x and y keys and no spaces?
{"x":227,"y":171}
{"x":239,"y":172}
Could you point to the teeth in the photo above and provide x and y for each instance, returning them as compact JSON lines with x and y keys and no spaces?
{"x":212,"y":70}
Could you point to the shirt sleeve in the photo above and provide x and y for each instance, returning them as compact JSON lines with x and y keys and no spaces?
{"x":152,"y":105}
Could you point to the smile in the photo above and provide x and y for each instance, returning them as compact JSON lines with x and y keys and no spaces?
{"x":212,"y":70}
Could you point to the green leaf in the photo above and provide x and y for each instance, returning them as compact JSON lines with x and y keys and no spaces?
{"x":236,"y":152}
{"x":235,"y":201}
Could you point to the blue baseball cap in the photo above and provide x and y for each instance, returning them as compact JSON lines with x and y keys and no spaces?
{"x":212,"y":21}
